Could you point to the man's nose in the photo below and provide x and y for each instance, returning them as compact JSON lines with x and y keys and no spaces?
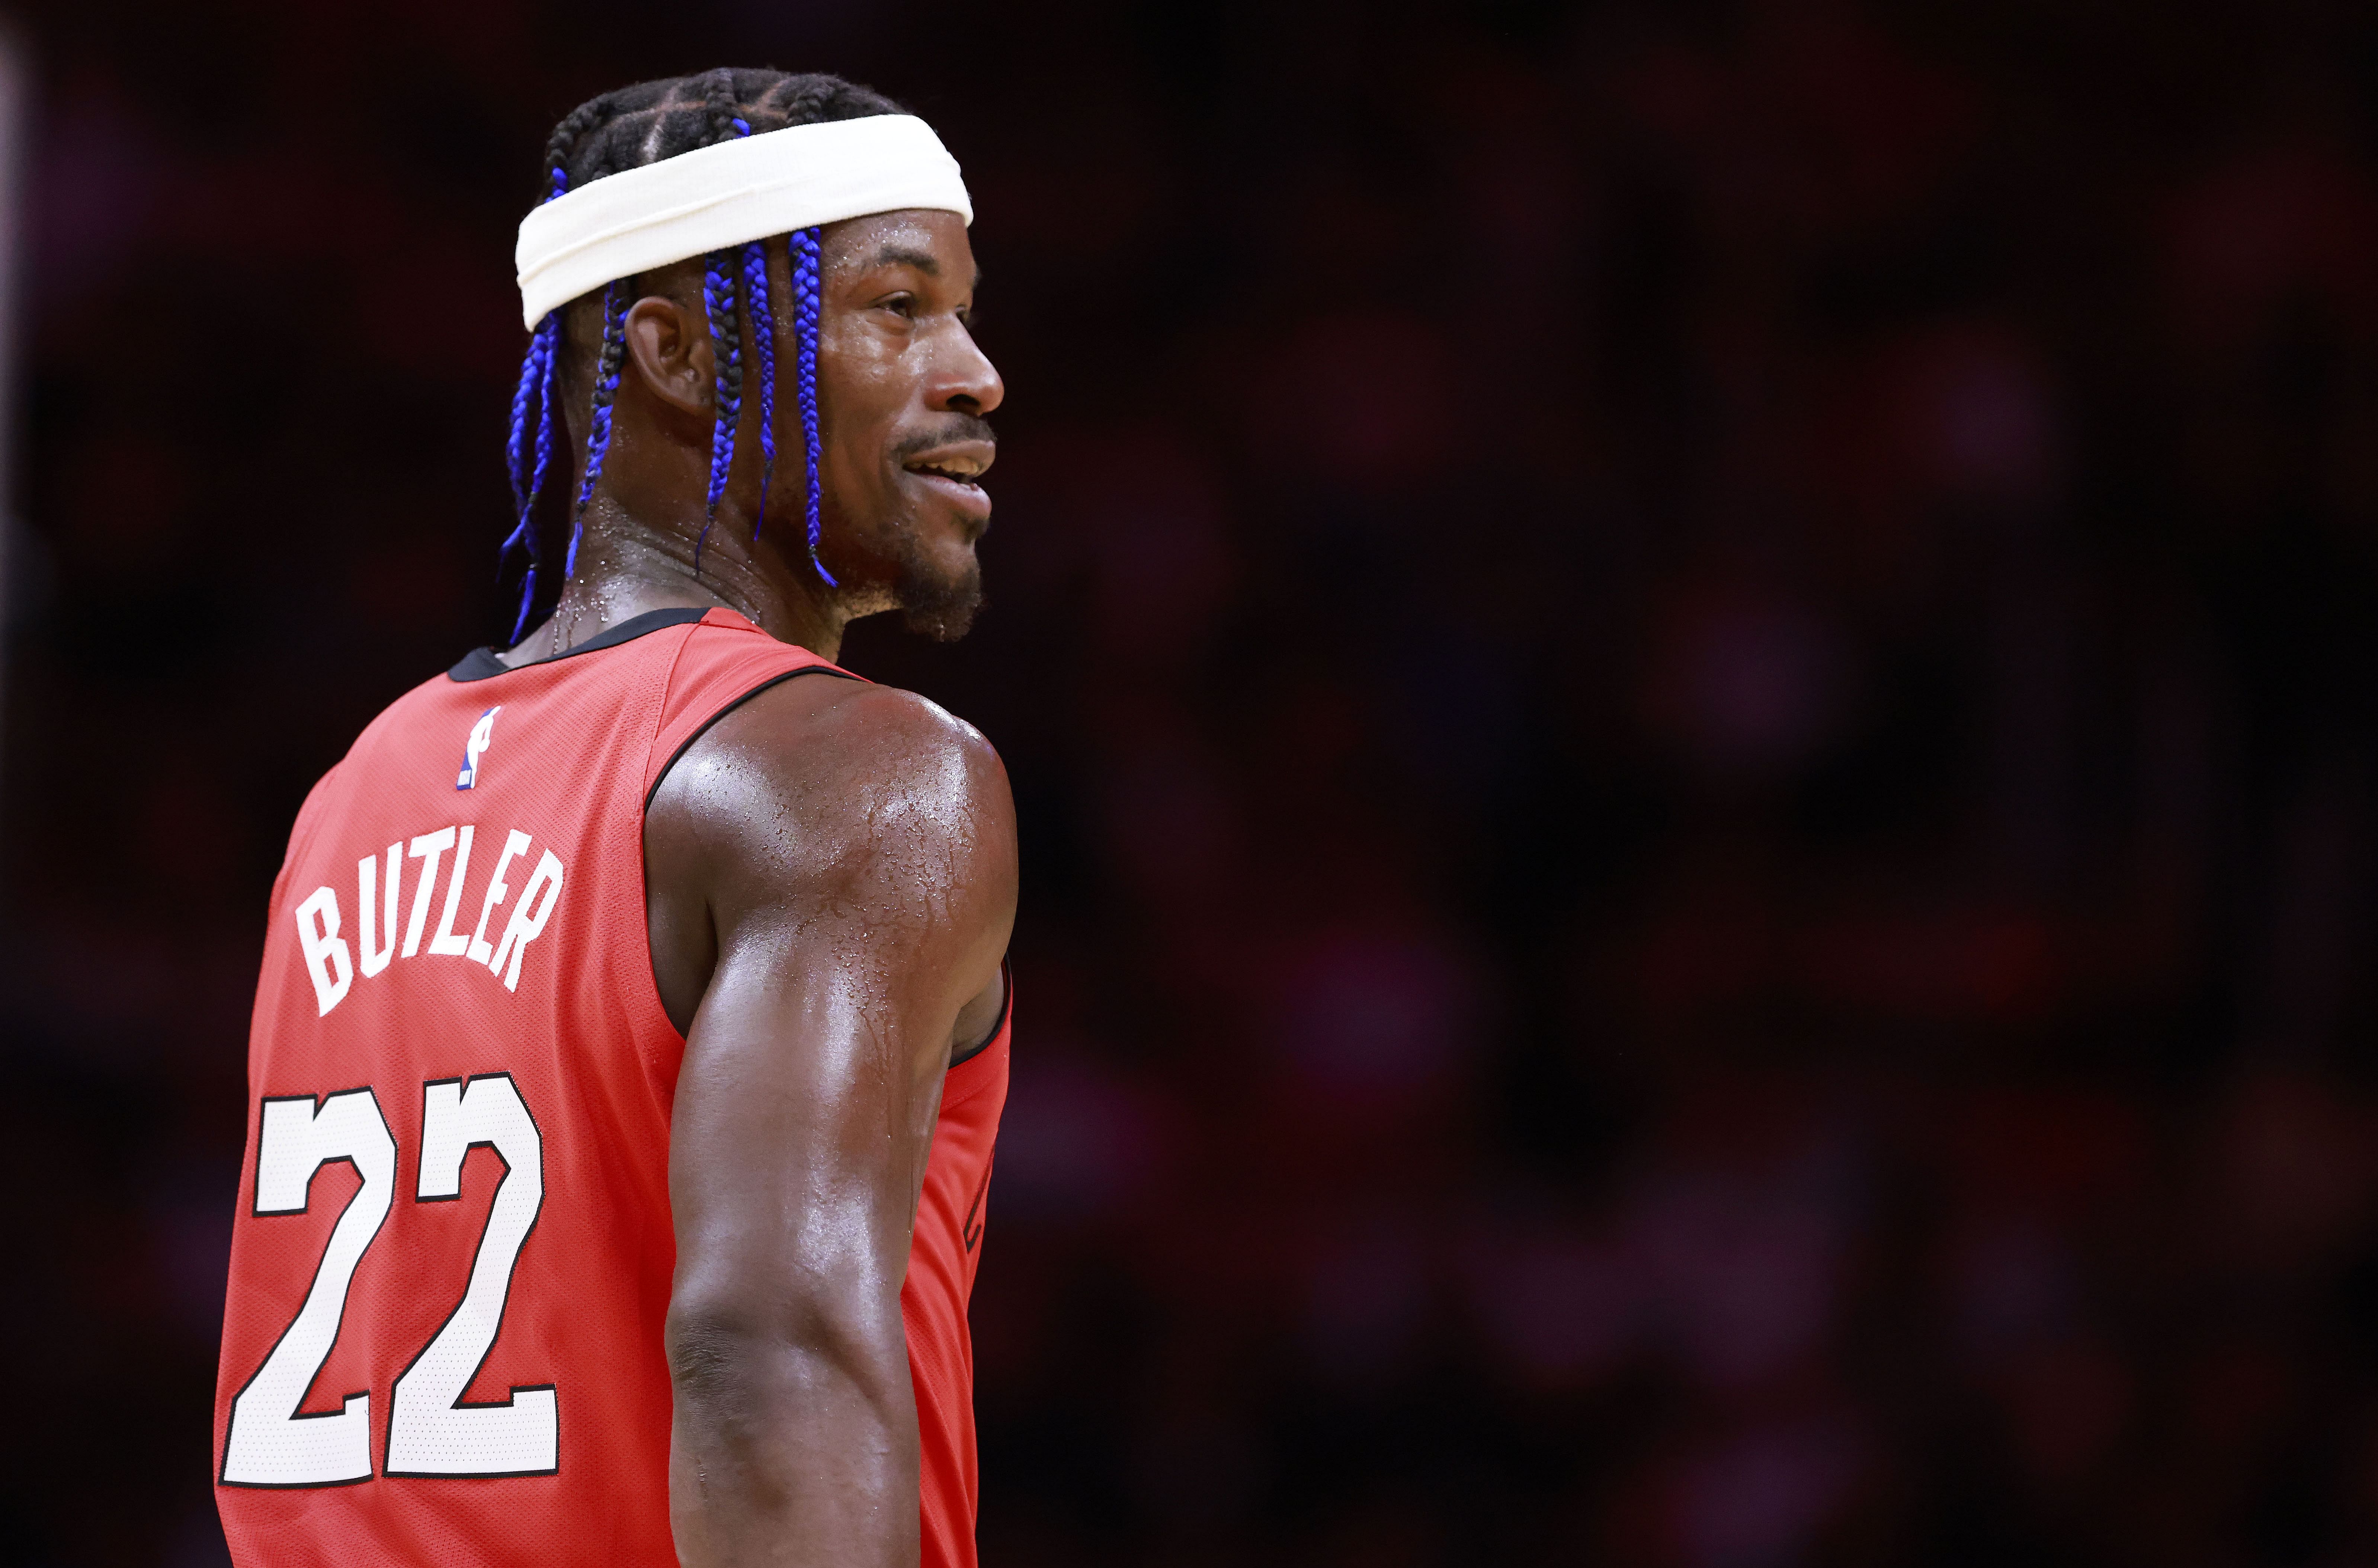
{"x":964,"y":380}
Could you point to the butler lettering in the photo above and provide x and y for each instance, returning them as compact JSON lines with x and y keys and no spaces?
{"x":444,"y":855}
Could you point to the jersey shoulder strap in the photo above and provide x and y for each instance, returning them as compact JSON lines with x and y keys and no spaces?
{"x":724,"y":662}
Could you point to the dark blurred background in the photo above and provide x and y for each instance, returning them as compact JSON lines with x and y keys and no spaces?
{"x":1690,"y":683}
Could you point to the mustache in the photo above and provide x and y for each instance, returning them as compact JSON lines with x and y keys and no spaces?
{"x":955,"y":427}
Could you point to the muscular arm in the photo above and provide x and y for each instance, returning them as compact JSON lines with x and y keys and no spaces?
{"x":831,"y":877}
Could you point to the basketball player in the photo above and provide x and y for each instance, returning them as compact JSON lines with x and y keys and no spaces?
{"x":632,"y":1030}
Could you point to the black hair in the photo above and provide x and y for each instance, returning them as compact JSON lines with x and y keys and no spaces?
{"x":625,"y":129}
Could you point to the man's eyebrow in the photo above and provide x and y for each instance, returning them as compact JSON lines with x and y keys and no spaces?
{"x":901,"y":255}
{"x":924,"y":261}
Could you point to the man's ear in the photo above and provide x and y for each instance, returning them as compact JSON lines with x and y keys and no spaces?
{"x":672,"y":359}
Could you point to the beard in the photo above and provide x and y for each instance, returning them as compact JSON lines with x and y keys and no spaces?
{"x":935,"y":604}
{"x":935,"y":601}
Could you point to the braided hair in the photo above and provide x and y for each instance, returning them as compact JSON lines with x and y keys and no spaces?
{"x":625,"y":129}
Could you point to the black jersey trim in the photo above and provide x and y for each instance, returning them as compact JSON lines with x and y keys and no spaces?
{"x":678,"y":755}
{"x":481,"y":664}
{"x":1007,"y":1005}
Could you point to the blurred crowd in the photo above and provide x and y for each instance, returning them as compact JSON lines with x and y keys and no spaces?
{"x":1690,"y":687}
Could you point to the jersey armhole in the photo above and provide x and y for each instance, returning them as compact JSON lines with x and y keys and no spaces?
{"x":687,"y":745}
{"x":1006,"y":1007}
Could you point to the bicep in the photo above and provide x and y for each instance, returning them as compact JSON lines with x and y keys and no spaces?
{"x":859,"y":904}
{"x":789,"y":1142}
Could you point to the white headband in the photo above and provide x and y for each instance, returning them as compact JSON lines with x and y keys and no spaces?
{"x":726,"y":194}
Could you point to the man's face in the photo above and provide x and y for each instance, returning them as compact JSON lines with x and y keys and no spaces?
{"x":903,"y":394}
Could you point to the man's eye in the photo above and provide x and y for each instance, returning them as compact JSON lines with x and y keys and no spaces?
{"x":901,"y":304}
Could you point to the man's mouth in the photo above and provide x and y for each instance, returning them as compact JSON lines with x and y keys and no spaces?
{"x":956,"y":472}
{"x":959,"y":467}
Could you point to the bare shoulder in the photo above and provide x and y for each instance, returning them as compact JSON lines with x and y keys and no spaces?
{"x":818,"y":780}
{"x":883,"y":731}
{"x":826,"y":746}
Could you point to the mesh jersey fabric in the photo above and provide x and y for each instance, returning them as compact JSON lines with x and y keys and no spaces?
{"x":451,"y":1254}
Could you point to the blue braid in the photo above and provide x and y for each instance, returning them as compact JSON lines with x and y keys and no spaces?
{"x":726,"y":341}
{"x":536,"y":375}
{"x":516,"y":448}
{"x":763,"y":348}
{"x":528,"y":602}
{"x":807,"y":307}
{"x":598,"y":424}
{"x":527,"y":475}
{"x":549,"y":414}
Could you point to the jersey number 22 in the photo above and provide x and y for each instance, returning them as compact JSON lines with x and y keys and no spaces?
{"x":430,"y":1430}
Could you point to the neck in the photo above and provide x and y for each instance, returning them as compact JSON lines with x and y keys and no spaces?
{"x":625,"y":570}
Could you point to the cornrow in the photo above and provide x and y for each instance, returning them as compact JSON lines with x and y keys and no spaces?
{"x":652,"y":121}
{"x":716,"y":93}
{"x":807,"y":307}
{"x":567,"y":136}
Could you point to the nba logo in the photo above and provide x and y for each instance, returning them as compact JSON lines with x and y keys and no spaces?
{"x":481,"y":734}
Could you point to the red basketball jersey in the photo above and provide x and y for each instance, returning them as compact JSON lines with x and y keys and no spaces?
{"x":452,"y":1253}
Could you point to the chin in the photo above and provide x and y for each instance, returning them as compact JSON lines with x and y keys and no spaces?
{"x":939,"y":600}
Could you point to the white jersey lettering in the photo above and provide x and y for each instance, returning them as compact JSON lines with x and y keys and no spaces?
{"x":528,"y":919}
{"x":515,"y":848}
{"x":326,"y":955}
{"x":429,"y":849}
{"x":448,"y":940}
